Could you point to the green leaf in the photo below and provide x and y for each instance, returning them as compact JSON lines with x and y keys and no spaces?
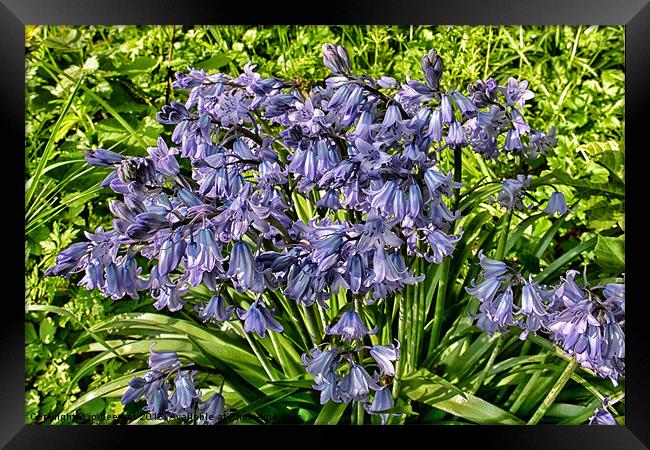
{"x":139,"y":64}
{"x":467,"y":406}
{"x":604,"y":214}
{"x":95,"y":406}
{"x":588,"y":188}
{"x":331,"y":413}
{"x":214,"y":62}
{"x":567,"y":257}
{"x":610,"y":253}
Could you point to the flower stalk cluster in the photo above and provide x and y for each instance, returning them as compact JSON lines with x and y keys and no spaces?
{"x":588,"y":323}
{"x":184,"y":402}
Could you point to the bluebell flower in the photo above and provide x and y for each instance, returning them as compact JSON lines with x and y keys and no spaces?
{"x":330,"y":200}
{"x":356,"y":385}
{"x":258,"y":318}
{"x":485,"y":291}
{"x":328,"y":387}
{"x":184,"y":397}
{"x":350,"y":326}
{"x":446,"y":109}
{"x":102,"y":158}
{"x":172,"y":114}
{"x":321,"y":363}
{"x":216,"y":309}
{"x":170,"y":297}
{"x":432,"y":66}
{"x":157,"y":401}
{"x":212,"y":410}
{"x":513,"y":141}
{"x":568,"y":292}
{"x":490,"y":267}
{"x":501,"y":309}
{"x":540,"y":142}
{"x":440,"y":245}
{"x":482,"y":93}
{"x":516,"y":92}
{"x":439,"y":184}
{"x":356,"y":273}
{"x":336,"y":59}
{"x":556,"y":204}
{"x":602,"y":416}
{"x":145,"y":225}
{"x":387,"y":82}
{"x":456,"y":136}
{"x":163,"y":158}
{"x":512,"y":192}
{"x":243,"y":270}
{"x":137,"y":388}
{"x":466,"y":107}
{"x":160,"y":361}
{"x":413,"y":93}
{"x":70,"y":260}
{"x":171,"y":254}
{"x":484,"y":320}
{"x":382,"y":401}
{"x":435,"y":125}
{"x":384,"y":355}
{"x":531,"y":300}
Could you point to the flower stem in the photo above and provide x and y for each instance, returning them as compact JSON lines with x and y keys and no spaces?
{"x":401,"y":328}
{"x":309,"y":316}
{"x":488,"y":366}
{"x":458,"y":173}
{"x":553,"y":393}
{"x":359,"y":413}
{"x":260,"y":356}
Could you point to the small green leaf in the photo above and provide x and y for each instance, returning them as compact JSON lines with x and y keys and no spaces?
{"x":214,"y":62}
{"x":610,"y":253}
{"x":139,"y":64}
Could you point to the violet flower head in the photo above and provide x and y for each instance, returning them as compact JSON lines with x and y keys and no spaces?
{"x":215,"y":310}
{"x":258,"y":318}
{"x":184,"y":396}
{"x":356,"y":386}
{"x":602,"y":416}
{"x":556,"y":204}
{"x":385,"y":355}
{"x":350,"y":327}
{"x":382,"y":401}
{"x":160,"y":361}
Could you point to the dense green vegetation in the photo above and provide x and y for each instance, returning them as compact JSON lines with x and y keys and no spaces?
{"x":100,"y":87}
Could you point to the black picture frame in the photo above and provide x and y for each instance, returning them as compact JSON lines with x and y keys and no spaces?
{"x":634,"y":14}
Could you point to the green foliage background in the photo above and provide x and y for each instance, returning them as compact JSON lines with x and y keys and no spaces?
{"x":100,"y":87}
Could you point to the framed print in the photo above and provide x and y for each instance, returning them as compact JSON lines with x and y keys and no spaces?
{"x":362,"y":217}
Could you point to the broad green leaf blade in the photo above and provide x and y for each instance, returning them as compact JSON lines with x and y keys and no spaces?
{"x":610,"y":253}
{"x":331,"y":413}
{"x":469,"y":407}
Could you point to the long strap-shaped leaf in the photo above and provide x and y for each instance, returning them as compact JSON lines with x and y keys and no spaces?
{"x":434,"y":391}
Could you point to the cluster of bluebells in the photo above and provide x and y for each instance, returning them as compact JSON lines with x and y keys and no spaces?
{"x":362,"y":147}
{"x":217,"y":206}
{"x":184,"y":402}
{"x":339,"y":373}
{"x":587,"y":323}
